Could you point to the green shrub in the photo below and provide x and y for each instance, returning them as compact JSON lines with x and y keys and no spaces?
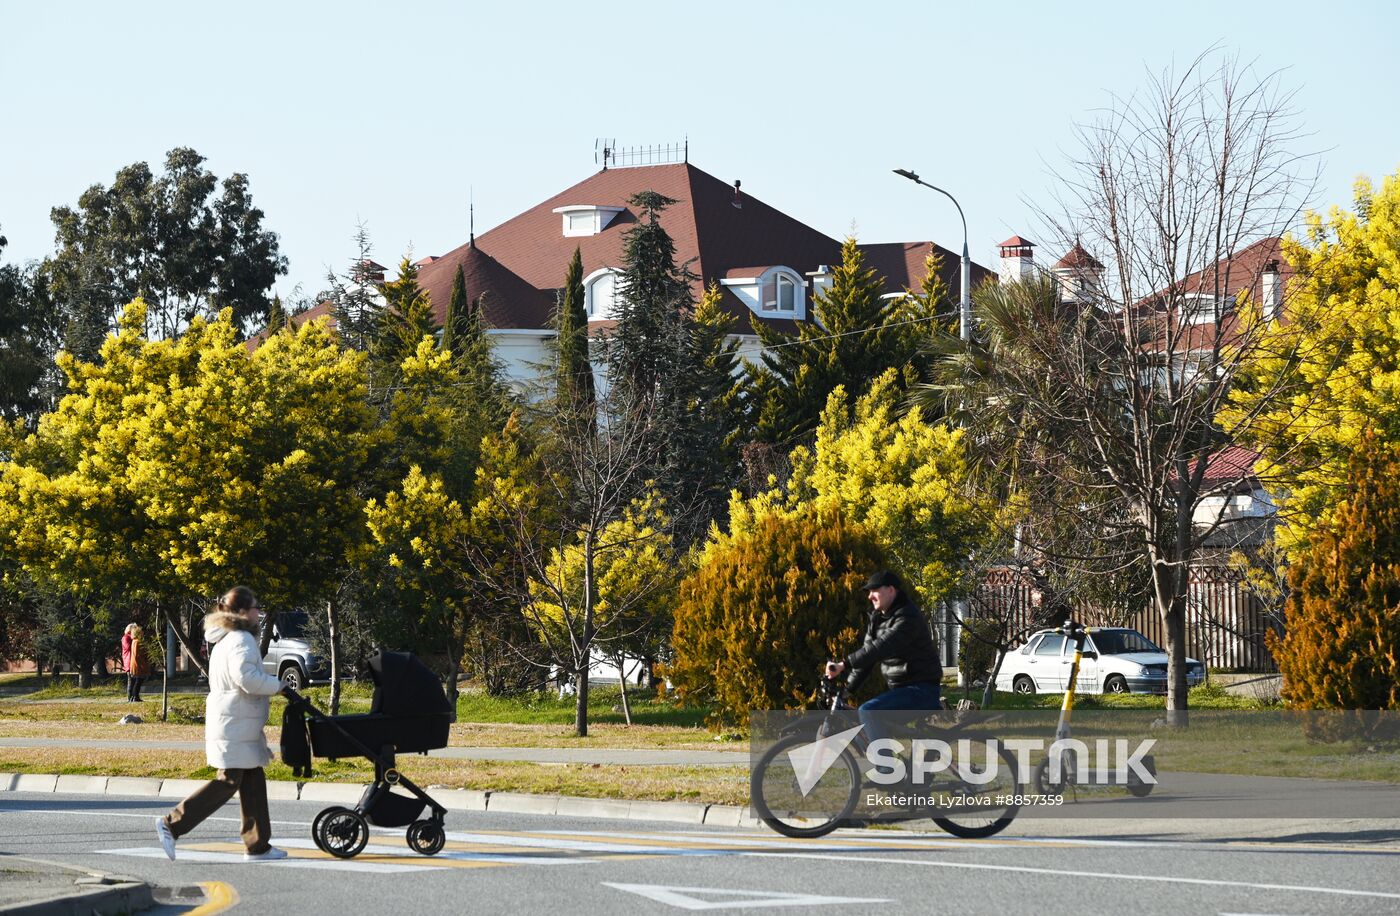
{"x":765,"y":610}
{"x":977,"y":650}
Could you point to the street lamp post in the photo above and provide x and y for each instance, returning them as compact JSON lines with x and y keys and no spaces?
{"x":964,"y":300}
{"x":965,"y":332}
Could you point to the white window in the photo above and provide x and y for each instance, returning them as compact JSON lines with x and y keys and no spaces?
{"x":779,"y":294}
{"x":586,"y":219}
{"x":600,"y":294}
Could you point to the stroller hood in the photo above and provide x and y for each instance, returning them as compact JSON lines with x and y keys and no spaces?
{"x":404,"y":686}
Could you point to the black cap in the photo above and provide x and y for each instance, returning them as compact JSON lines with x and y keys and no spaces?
{"x":881,"y":578}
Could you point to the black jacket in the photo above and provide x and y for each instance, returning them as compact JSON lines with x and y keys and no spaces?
{"x":902,"y":643}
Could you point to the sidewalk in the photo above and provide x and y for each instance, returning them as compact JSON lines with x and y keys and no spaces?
{"x":581,"y":755}
{"x":42,"y":888}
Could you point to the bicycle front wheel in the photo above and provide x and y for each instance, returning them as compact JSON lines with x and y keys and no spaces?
{"x":781,"y":774}
{"x":980,"y":797}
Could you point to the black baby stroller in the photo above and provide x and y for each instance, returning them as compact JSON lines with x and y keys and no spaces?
{"x":409,"y":713}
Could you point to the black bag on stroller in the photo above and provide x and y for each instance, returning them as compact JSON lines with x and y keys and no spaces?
{"x":409,"y":713}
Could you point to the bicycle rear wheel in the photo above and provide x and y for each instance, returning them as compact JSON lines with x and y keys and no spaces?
{"x":778,"y":779}
{"x":981,"y":789}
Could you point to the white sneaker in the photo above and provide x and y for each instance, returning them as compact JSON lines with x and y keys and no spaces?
{"x":167,"y":839}
{"x":271,"y":855}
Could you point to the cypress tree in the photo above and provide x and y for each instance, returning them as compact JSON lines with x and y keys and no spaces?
{"x":457,"y":309}
{"x":573,"y":374}
{"x":276,"y":317}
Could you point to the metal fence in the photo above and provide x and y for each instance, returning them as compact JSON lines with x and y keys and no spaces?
{"x":1226,"y":622}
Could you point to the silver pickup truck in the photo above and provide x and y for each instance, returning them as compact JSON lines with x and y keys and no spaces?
{"x":289,"y":654}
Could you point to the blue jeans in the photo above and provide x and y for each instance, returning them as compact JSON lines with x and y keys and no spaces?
{"x":921,"y":697}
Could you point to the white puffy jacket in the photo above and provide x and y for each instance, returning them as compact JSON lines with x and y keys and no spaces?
{"x":239,"y":691}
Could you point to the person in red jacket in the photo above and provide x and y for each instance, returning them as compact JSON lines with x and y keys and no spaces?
{"x":134,"y":661}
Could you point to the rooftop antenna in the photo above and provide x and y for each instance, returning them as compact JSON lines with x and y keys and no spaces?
{"x":604,"y":149}
{"x":471,"y":215}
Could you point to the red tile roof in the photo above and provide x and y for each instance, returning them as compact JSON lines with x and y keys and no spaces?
{"x":510,"y":301}
{"x":1234,"y":462}
{"x":1017,"y":242}
{"x":744,"y":273}
{"x":1240,"y":272}
{"x":709,"y":232}
{"x":902,"y":265}
{"x":1077,"y":258}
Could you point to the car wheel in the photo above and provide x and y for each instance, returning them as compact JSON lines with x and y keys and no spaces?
{"x":293,"y":676}
{"x":1023,"y":684}
{"x":1115,"y":684}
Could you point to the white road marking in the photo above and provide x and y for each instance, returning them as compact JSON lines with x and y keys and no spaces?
{"x":656,"y":843}
{"x":456,"y":855}
{"x":151,"y":815}
{"x":1065,"y":873}
{"x":683,"y":897}
{"x":829,"y":844}
{"x":496,"y":839}
{"x":229,"y":858}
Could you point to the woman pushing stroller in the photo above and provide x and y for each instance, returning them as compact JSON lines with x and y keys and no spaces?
{"x":236,"y":711}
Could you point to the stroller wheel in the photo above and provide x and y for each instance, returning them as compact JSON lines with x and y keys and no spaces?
{"x":426,"y":837}
{"x":341,"y":832}
{"x":316,"y":835}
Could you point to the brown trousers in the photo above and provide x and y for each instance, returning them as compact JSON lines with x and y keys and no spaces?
{"x":251,"y":786}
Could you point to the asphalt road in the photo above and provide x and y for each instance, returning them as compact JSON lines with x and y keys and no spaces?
{"x":499,"y":863}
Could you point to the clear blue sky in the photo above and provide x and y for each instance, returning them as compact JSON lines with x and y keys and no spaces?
{"x":389,"y":113}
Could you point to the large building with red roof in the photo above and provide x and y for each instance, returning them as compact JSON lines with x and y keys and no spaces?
{"x":767,"y":264}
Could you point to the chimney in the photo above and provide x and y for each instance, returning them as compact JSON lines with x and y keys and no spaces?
{"x":1271,"y":291}
{"x":1017,"y":261}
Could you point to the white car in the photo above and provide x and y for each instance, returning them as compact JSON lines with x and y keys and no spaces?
{"x":1115,"y":660}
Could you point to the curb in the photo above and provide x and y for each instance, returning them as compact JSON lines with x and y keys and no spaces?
{"x":676,"y":812}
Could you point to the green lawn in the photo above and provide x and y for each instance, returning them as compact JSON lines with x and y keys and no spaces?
{"x":1216,"y":742}
{"x":1206,"y":696}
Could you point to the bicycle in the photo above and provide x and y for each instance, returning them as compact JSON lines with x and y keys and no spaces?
{"x":1069,"y":774}
{"x":975,"y":796}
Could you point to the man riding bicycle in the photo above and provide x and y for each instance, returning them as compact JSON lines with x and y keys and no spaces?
{"x":897,"y":638}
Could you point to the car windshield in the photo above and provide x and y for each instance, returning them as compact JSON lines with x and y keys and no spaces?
{"x":1121,"y":642}
{"x":291,"y":624}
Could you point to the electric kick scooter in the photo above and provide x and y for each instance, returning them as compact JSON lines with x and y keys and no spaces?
{"x":1069,"y":775}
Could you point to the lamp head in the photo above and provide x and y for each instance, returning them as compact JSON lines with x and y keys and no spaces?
{"x":905,"y":173}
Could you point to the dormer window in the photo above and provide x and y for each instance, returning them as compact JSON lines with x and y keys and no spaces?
{"x":586,"y":219}
{"x":774,"y":292}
